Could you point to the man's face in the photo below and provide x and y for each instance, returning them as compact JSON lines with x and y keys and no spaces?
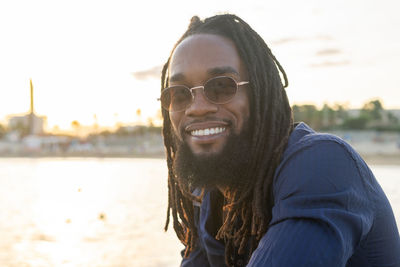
{"x":195,"y":60}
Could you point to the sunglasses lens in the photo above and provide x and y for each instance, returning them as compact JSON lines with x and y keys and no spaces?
{"x":220,"y":89}
{"x":176,"y":98}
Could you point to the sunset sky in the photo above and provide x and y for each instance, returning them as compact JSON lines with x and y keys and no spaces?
{"x":83,"y":55}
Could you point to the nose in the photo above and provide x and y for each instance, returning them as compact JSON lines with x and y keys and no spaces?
{"x":200,"y":105}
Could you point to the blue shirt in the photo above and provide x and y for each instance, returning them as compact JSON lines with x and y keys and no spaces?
{"x":329,"y":211}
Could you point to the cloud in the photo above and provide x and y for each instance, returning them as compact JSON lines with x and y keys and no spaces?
{"x":328,"y":52}
{"x":287,"y":40}
{"x":302,"y":39}
{"x":152,"y":73}
{"x":332,"y":57}
{"x":330,"y":63}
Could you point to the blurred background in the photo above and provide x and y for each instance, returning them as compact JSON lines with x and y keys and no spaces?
{"x":82,"y":167}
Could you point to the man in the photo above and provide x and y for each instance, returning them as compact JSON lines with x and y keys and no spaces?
{"x":246,"y":184}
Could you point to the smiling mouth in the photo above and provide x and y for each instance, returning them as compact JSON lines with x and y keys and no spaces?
{"x":208,"y":131}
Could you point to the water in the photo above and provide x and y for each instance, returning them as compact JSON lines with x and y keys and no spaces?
{"x":97,"y":212}
{"x":85,"y":212}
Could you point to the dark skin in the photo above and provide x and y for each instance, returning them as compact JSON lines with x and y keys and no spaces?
{"x":194,"y":61}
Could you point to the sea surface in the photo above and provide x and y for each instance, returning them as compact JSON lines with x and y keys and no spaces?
{"x":98,"y":212}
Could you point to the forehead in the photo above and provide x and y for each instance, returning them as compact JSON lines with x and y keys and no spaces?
{"x":204,"y":55}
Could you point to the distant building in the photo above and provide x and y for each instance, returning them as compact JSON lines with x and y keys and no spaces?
{"x":31,"y":122}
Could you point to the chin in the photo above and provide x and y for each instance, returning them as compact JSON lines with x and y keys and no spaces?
{"x":213,"y":165}
{"x":207,"y":150}
{"x":219,"y":162}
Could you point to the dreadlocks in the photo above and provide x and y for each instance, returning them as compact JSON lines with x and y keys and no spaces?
{"x":247,"y":209}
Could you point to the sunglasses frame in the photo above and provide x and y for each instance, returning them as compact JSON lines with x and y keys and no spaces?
{"x":190,"y":89}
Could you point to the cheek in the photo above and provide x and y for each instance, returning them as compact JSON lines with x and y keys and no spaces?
{"x":243,"y":118}
{"x":175,"y":118}
{"x":242,"y":110}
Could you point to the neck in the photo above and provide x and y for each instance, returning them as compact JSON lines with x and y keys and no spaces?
{"x":223,"y":190}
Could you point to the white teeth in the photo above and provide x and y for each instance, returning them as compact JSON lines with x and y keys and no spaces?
{"x":208,"y":131}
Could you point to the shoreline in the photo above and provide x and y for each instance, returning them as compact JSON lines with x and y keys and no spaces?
{"x":85,"y":155}
{"x":382,"y":159}
{"x":370,"y":159}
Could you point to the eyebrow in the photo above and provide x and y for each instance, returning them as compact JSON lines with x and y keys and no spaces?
{"x":177,"y":77}
{"x":214,"y":72}
{"x":222,"y":70}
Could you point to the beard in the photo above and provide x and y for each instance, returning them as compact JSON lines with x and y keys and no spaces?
{"x":226,"y":168}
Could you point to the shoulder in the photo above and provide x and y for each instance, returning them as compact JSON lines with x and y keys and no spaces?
{"x":321,"y":177}
{"x":305,"y":144}
{"x":303,"y":138}
{"x":318,"y":162}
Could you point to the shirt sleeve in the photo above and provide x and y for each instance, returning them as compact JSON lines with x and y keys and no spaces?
{"x":322,"y":210}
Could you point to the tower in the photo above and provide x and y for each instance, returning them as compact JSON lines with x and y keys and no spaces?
{"x":31,"y":84}
{"x":31,"y":111}
{"x":30,"y":123}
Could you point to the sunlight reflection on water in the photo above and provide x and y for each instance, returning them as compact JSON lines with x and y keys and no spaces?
{"x":97,"y":212}
{"x":85,"y":212}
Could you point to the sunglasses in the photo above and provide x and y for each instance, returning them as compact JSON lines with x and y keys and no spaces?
{"x":217,"y":90}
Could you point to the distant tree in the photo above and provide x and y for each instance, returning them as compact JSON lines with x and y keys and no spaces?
{"x":76,"y":126}
{"x":328,"y":117}
{"x":371,"y":116}
{"x":341,"y":113}
{"x":296,"y":112}
{"x":308,"y":114}
{"x":3,"y":131}
{"x":358,"y":123}
{"x":121,"y":131}
{"x":373,"y":110}
{"x":105,"y":133}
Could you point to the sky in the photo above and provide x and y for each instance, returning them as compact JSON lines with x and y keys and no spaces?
{"x":98,"y":61}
